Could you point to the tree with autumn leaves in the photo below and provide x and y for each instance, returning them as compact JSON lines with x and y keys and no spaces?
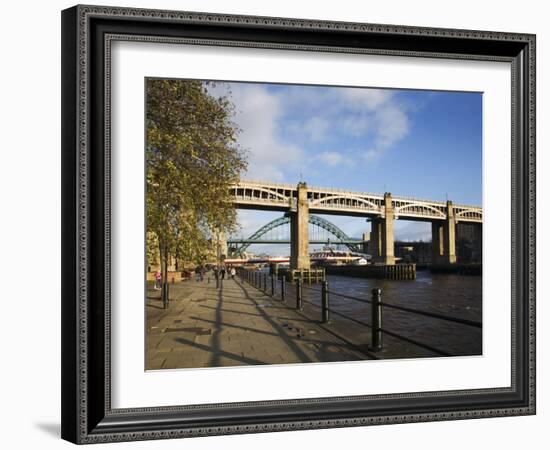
{"x":192,"y":159}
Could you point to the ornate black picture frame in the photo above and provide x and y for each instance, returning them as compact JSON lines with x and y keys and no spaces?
{"x":87,"y":415}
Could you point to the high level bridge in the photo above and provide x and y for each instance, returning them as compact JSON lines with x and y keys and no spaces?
{"x":382,"y":209}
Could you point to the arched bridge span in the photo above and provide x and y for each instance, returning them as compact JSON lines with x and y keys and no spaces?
{"x":258,"y":237}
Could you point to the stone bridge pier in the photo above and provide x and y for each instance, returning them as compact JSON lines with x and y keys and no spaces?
{"x":443,"y":238}
{"x":381,"y":236}
{"x":299,"y":231}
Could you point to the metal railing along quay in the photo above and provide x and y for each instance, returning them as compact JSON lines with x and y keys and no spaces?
{"x":268,"y":284}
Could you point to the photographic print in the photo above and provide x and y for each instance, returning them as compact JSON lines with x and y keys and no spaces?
{"x":299,"y":199}
{"x":294,"y":224}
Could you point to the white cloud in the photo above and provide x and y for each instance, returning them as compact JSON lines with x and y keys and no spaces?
{"x":371,"y":154}
{"x":316,"y":128}
{"x":332,"y":158}
{"x":375,"y":115}
{"x":374,"y":119}
{"x":392,"y":125}
{"x":357,"y":125}
{"x":366,"y":98}
{"x":257,"y":114}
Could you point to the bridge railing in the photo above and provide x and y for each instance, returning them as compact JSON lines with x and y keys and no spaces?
{"x":287,"y":291}
{"x":256,"y":198}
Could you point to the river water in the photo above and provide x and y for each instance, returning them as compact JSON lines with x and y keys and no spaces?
{"x":452,"y":295}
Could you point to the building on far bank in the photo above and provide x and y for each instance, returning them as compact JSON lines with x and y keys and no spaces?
{"x":469,"y":242}
{"x":418,"y":252}
{"x":177,"y":267}
{"x":468,"y":246}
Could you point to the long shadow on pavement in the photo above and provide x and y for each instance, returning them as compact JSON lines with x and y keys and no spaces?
{"x":280,"y":330}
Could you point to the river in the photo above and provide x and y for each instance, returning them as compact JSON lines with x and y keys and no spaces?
{"x":452,"y":295}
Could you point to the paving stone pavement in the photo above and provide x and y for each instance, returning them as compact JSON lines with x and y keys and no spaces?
{"x":235,"y":325}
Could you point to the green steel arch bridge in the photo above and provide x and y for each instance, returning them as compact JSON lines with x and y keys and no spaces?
{"x":277,"y":232}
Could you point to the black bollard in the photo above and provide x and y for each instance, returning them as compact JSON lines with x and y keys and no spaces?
{"x":324,"y":302}
{"x":299,"y":294}
{"x":376,"y":344}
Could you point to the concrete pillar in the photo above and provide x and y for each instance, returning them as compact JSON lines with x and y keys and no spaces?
{"x":375,"y":239}
{"x":449,"y":234}
{"x":444,"y":238}
{"x":299,"y":231}
{"x":387,"y":231}
{"x":437,"y":242}
{"x":383,"y":241}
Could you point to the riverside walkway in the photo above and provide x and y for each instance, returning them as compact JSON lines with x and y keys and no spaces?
{"x":238,"y":324}
{"x":235,"y":325}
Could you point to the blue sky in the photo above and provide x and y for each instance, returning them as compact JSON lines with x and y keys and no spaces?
{"x":423,"y":144}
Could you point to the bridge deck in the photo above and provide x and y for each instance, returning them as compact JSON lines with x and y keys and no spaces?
{"x":282,"y":197}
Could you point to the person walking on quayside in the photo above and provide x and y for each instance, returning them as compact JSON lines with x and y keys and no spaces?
{"x":158,"y":278}
{"x":233,"y":273}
